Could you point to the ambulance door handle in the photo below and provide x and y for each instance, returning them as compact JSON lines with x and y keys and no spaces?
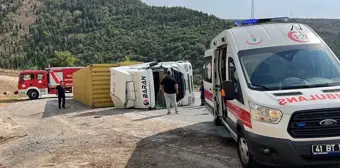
{"x":209,"y":88}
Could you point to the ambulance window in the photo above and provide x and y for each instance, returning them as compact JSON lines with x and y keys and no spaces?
{"x":224,"y":64}
{"x":207,"y":69}
{"x":40,"y":76}
{"x":234,"y":77}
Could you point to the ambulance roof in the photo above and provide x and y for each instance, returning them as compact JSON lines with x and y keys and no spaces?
{"x":267,"y":35}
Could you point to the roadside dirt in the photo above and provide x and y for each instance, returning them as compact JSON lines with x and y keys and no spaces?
{"x":9,"y":130}
{"x":8,"y":84}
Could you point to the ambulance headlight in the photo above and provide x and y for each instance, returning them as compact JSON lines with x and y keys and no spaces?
{"x":265,"y":114}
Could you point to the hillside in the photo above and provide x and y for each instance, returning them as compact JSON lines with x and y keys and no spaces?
{"x":103,"y":31}
{"x":15,"y":17}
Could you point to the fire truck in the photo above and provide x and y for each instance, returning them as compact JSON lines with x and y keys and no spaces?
{"x":36,"y":83}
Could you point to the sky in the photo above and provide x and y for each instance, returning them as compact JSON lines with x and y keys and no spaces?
{"x":240,"y":9}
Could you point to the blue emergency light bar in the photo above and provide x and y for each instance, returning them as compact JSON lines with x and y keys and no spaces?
{"x":259,"y":21}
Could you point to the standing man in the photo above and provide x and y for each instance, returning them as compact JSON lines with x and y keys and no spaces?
{"x":170,"y":89}
{"x":61,"y":94}
{"x":202,"y":94}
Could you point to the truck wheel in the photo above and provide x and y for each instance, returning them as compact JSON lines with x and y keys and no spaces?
{"x":33,"y":94}
{"x":244,"y":155}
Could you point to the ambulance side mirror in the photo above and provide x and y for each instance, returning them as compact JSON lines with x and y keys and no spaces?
{"x":228,"y":87}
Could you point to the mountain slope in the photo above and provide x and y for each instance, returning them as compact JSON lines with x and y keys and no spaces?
{"x":15,"y":17}
{"x":107,"y":31}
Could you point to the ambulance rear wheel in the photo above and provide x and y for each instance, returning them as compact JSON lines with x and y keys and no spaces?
{"x":244,"y":154}
{"x":33,"y":94}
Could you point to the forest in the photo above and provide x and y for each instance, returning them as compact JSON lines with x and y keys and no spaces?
{"x":37,"y":33}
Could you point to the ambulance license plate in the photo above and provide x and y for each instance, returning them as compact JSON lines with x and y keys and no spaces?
{"x":326,"y":149}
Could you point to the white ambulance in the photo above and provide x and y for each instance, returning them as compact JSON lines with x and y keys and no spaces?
{"x":275,"y":87}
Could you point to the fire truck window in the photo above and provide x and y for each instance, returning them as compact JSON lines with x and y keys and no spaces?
{"x":27,"y":77}
{"x":40,"y":76}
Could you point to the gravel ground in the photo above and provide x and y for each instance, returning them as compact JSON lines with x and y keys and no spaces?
{"x":36,"y":134}
{"x":112,"y":138}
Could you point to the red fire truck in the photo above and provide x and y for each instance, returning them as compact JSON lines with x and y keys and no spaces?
{"x":36,"y":83}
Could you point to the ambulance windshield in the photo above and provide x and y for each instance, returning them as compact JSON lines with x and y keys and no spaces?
{"x":290,"y":67}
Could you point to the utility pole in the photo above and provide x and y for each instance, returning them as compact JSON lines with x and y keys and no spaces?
{"x":292,"y":14}
{"x":252,"y":9}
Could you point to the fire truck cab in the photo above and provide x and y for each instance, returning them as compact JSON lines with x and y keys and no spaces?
{"x":275,"y":87}
{"x":36,"y":83}
{"x":33,"y":83}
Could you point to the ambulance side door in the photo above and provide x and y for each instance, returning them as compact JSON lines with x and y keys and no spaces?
{"x":234,"y":106}
{"x":208,"y":85}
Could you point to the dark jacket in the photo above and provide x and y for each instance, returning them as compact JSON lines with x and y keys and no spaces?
{"x":169,"y":84}
{"x":202,"y":91}
{"x":61,"y":91}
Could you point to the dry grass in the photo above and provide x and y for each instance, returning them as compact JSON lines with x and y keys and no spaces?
{"x":8,"y":84}
{"x":7,"y":72}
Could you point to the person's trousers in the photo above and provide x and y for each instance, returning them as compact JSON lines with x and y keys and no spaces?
{"x":170,"y":99}
{"x":59,"y":102}
{"x":202,"y":99}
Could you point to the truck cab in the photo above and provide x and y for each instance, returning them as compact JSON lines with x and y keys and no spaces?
{"x":33,"y":83}
{"x":138,"y":86}
{"x":275,"y":87}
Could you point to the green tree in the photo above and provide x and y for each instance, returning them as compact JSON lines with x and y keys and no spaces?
{"x":63,"y":59}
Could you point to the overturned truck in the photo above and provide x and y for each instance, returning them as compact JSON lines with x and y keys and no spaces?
{"x":138,"y":86}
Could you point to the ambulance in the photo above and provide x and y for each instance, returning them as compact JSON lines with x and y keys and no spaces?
{"x":275,"y":87}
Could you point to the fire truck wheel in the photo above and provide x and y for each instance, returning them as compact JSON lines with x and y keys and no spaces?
{"x":33,"y":94}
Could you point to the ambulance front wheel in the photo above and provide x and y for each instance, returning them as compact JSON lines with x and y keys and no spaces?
{"x":33,"y":94}
{"x":244,"y":154}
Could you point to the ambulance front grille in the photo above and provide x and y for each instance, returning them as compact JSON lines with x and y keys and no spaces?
{"x":315,"y":123}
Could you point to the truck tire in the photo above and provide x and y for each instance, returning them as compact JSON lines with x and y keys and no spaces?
{"x":244,"y":155}
{"x":33,"y":94}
